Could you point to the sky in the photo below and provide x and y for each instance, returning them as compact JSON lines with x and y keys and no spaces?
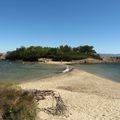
{"x":59,"y":22}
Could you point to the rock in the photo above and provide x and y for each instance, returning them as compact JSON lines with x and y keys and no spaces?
{"x":111,"y":59}
{"x":2,"y":57}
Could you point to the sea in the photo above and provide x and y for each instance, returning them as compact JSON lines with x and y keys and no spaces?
{"x":109,"y":71}
{"x":27,"y":71}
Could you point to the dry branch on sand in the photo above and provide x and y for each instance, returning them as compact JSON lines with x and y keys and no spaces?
{"x":58,"y":109}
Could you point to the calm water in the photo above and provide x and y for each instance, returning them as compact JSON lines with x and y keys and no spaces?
{"x":106,"y":70}
{"x":18,"y":72}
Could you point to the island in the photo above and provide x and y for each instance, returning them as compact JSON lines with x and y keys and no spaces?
{"x":63,"y":54}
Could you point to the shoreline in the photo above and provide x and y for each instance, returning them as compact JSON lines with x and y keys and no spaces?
{"x":86,"y":96}
{"x":82,"y":61}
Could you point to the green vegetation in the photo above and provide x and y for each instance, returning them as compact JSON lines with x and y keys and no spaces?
{"x":62,"y":53}
{"x":16,"y":104}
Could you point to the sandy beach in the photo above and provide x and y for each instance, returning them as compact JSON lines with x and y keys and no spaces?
{"x":86,"y":96}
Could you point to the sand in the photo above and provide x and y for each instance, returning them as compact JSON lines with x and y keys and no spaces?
{"x":86,"y":96}
{"x":56,"y":62}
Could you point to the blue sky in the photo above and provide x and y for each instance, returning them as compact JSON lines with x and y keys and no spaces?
{"x":56,"y":22}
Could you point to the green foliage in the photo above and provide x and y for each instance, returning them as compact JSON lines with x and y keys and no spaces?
{"x":62,"y":53}
{"x":16,"y":104}
{"x":85,"y":50}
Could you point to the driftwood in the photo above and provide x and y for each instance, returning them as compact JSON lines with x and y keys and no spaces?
{"x":58,"y":109}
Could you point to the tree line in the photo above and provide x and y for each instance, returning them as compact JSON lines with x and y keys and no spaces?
{"x":61,"y":53}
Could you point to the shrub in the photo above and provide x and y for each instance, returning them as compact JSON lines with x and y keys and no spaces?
{"x":16,"y":104}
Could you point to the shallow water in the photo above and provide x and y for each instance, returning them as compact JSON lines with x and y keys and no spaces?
{"x":19,"y":72}
{"x":107,"y":70}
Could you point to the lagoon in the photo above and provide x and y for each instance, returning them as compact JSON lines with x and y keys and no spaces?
{"x":20,"y":72}
{"x":110,"y":71}
{"x":28,"y":71}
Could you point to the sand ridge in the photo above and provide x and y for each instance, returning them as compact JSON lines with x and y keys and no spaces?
{"x":87,"y":97}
